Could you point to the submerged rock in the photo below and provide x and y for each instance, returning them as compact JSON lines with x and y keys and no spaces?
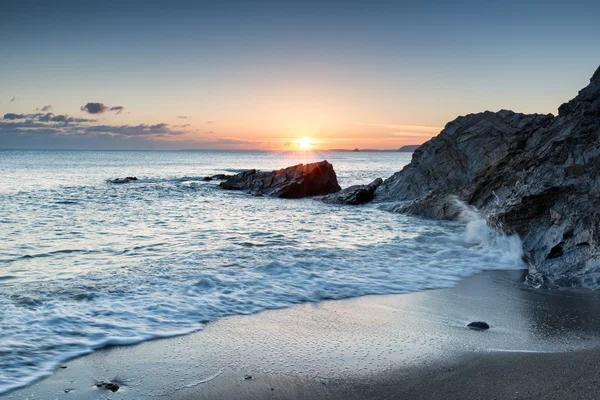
{"x":354,"y":195}
{"x":534,"y":175}
{"x":298,"y":181}
{"x":478,"y":326}
{"x":125,"y":180}
{"x":113,"y":387}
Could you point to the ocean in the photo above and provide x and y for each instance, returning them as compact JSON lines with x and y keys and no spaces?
{"x":86,"y":264}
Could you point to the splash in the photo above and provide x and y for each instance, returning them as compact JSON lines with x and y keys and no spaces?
{"x":508,"y":248}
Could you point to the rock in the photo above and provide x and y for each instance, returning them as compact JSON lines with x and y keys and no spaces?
{"x":409,"y":148}
{"x":125,"y":180}
{"x":354,"y":195}
{"x":534,"y":175}
{"x":298,"y":181}
{"x":113,"y":387}
{"x":478,"y":326}
{"x":217,"y":177}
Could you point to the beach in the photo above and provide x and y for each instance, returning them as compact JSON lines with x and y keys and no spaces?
{"x":541,"y":344}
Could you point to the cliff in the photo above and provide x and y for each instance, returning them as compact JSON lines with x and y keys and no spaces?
{"x":535,"y":175}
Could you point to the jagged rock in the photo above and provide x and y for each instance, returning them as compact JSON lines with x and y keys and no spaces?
{"x":354,"y":195}
{"x":217,"y":177}
{"x":125,"y":180}
{"x":298,"y":181}
{"x":478,"y":326}
{"x":535,"y":175}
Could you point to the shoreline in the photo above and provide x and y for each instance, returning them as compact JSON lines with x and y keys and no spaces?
{"x":415,"y":345}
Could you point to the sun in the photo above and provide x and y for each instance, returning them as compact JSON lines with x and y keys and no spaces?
{"x":305,"y":143}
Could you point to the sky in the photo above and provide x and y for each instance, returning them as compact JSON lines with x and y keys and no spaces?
{"x":264,"y":74}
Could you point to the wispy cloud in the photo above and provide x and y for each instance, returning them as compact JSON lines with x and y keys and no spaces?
{"x":49,"y":123}
{"x":48,"y":117}
{"x":118,"y":109}
{"x":183,"y":116}
{"x":45,"y":108}
{"x":13,"y":99}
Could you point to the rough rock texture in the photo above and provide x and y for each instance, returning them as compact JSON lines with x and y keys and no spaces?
{"x":217,"y":177}
{"x":535,"y":175}
{"x":354,"y":195}
{"x":300,"y":180}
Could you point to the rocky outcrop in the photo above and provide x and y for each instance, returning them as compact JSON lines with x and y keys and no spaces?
{"x":409,"y":148}
{"x":353,"y":195}
{"x":298,"y":181}
{"x":217,"y":177}
{"x":535,"y":175}
{"x":127,"y":179}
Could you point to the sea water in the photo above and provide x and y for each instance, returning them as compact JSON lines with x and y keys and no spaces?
{"x":85,"y":263}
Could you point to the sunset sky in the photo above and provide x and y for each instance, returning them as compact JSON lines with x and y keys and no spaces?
{"x":262,"y":75}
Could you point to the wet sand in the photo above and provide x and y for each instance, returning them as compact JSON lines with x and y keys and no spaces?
{"x":415,"y":346}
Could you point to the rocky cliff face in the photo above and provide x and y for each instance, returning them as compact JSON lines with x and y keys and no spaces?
{"x":536,"y":175}
{"x":298,"y":181}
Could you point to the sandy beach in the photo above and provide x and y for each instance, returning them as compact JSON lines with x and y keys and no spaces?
{"x":541,"y":344}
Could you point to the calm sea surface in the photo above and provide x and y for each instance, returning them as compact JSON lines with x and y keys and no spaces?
{"x":85,"y":263}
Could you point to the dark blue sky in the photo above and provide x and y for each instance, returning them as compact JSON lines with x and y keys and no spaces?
{"x":345,"y":73}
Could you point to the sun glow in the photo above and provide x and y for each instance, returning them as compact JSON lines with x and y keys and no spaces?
{"x":305,"y":143}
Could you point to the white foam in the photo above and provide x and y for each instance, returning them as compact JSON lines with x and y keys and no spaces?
{"x":160,"y":258}
{"x":508,"y":248}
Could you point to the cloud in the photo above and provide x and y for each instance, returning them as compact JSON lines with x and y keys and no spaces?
{"x":100,"y":108}
{"x":48,"y":130}
{"x":62,"y":118}
{"x":14,"y":116}
{"x":48,"y":117}
{"x":13,"y":99}
{"x":20,"y":125}
{"x":28,"y":123}
{"x":157,"y":130}
{"x":210,"y":122}
{"x":94,"y":108}
{"x":47,"y":108}
{"x":183,"y":116}
{"x":118,"y":109}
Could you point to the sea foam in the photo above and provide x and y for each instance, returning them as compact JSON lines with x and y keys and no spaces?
{"x":118,"y":264}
